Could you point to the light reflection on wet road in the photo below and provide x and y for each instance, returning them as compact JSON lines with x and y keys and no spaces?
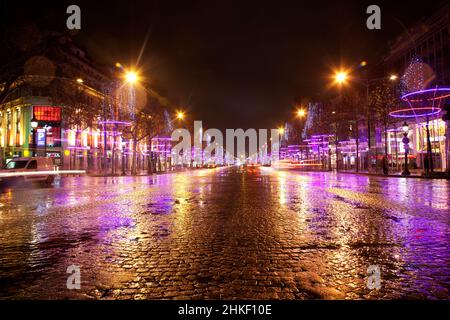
{"x":225,"y":233}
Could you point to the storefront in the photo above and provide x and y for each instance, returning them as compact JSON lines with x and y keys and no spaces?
{"x":46,"y":137}
{"x":437,"y":129}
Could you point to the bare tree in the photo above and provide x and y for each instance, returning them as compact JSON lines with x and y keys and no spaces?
{"x":148,"y":123}
{"x":81,"y":107}
{"x":351,"y":111}
{"x":382,"y":100}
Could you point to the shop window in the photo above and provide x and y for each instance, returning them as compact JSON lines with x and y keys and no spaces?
{"x":8,"y":128}
{"x":54,"y":137}
{"x":18,"y":140}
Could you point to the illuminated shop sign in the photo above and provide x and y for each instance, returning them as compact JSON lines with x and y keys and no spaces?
{"x":41,"y":136}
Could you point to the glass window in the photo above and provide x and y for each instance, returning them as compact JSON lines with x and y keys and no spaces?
{"x":32,"y":165}
{"x":18,"y":142}
{"x":54,"y":137}
{"x":16,"y":164}
{"x":8,"y":128}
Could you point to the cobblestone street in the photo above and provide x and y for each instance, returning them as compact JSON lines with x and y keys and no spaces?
{"x":227,"y":234}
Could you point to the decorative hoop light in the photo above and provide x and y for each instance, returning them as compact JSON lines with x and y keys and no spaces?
{"x":322,"y":136}
{"x":317,"y":143}
{"x":415,"y":112}
{"x":424,"y":103}
{"x":124,"y":123}
{"x":427,"y":95}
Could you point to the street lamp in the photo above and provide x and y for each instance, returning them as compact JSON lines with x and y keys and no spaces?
{"x":341,"y":77}
{"x":393,"y":77}
{"x":301,"y":113}
{"x":124,"y":144}
{"x":405,"y":129}
{"x":34,"y":122}
{"x":180,"y":115}
{"x":131,"y":77}
{"x":34,"y":125}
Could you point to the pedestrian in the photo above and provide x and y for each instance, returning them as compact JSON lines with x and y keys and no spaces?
{"x":426,"y":164}
{"x":384,"y":164}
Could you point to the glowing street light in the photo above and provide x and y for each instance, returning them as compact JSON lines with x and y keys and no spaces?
{"x":131,"y":77}
{"x":34,"y":122}
{"x":80,"y":81}
{"x":180,"y":115}
{"x":405,"y":127}
{"x":281,"y":130}
{"x":341,"y":77}
{"x":34,"y":125}
{"x":393,"y":77}
{"x":301,"y":113}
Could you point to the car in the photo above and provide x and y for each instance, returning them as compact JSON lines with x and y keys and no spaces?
{"x":19,"y":169}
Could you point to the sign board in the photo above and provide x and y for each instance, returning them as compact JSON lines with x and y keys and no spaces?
{"x":41,"y":137}
{"x":53,"y":155}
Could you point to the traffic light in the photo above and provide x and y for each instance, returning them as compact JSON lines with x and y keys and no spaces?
{"x":446,"y":116}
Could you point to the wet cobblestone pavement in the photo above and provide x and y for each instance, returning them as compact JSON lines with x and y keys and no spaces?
{"x":227,"y":234}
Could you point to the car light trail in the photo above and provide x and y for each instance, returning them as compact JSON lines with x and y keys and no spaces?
{"x":40,"y":173}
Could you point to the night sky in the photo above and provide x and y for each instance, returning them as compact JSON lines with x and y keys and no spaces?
{"x":235,"y":63}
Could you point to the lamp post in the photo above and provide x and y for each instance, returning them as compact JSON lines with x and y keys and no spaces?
{"x":302,"y":114}
{"x":46,"y":129}
{"x":430,"y":167}
{"x":34,"y":125}
{"x":342,"y":77}
{"x":280,"y":139}
{"x":124,"y":144}
{"x":405,"y":141}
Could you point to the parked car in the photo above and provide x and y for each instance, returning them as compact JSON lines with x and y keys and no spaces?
{"x":17,"y":166}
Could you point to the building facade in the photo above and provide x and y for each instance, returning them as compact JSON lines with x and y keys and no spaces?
{"x":421,"y":55}
{"x":75,"y":111}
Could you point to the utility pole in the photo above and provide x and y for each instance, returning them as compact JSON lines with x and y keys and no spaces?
{"x":369,"y":138}
{"x":446,"y":118}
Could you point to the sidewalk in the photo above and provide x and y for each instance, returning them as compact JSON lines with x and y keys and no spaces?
{"x":414,"y":175}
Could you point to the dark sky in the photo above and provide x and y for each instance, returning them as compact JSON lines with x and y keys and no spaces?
{"x":238,"y":63}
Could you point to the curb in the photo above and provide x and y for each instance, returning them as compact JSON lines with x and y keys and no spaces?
{"x":443,"y":177}
{"x":130,"y":175}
